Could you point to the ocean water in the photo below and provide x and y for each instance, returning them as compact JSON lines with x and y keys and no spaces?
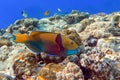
{"x":10,"y":10}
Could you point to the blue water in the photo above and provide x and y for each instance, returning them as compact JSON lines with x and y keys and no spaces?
{"x":10,"y":10}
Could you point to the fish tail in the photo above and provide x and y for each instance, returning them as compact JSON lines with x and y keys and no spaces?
{"x":20,"y":38}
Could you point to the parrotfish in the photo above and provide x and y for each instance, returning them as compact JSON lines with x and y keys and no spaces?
{"x":48,"y":42}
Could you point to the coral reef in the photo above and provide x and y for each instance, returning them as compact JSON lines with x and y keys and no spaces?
{"x":97,"y":29}
{"x":5,"y":42}
{"x":70,"y":72}
{"x":75,"y":17}
{"x":23,"y":26}
{"x":97,"y":36}
{"x":4,"y":77}
{"x":50,"y":71}
{"x":6,"y":55}
{"x":24,"y":64}
{"x":111,"y":42}
{"x":100,"y":66}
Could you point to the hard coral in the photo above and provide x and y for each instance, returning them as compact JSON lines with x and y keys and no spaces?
{"x":98,"y":29}
{"x":111,"y":42}
{"x":23,"y":26}
{"x":92,"y":41}
{"x":50,"y":70}
{"x":99,"y":66}
{"x":75,"y":17}
{"x":115,"y":19}
{"x":24,"y":64}
{"x":70,"y":72}
{"x":86,"y":22}
{"x":4,"y":77}
{"x":70,"y":19}
{"x":5,"y":42}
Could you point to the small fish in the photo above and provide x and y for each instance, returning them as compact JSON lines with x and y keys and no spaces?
{"x":51,"y":43}
{"x":46,"y":13}
{"x":59,"y":10}
{"x":24,"y":14}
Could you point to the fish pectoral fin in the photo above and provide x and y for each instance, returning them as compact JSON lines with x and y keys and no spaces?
{"x":34,"y":33}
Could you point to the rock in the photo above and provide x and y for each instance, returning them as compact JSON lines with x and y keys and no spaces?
{"x":5,"y":42}
{"x":27,"y":22}
{"x":92,"y":41}
{"x":6,"y":55}
{"x":96,"y":29}
{"x":75,"y":11}
{"x":114,"y":31}
{"x":49,"y":71}
{"x":45,"y":21}
{"x":75,"y":17}
{"x":7,"y":36}
{"x":51,"y":26}
{"x":85,"y":22}
{"x":70,"y":72}
{"x":77,"y":27}
{"x":115,"y":19}
{"x":117,"y":75}
{"x":72,"y":58}
{"x":49,"y":59}
{"x":24,"y":63}
{"x":99,"y":65}
{"x":5,"y":77}
{"x":111,"y":42}
{"x":23,"y":26}
{"x":70,"y":19}
{"x":55,"y":17}
{"x":4,"y":52}
{"x":2,"y":31}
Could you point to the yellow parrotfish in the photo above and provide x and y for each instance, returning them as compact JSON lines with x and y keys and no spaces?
{"x":51,"y":43}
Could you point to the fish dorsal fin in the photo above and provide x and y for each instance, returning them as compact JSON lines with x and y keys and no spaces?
{"x":38,"y":32}
{"x":59,"y":41}
{"x":35,"y":33}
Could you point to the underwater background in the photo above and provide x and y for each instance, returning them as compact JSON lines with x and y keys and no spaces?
{"x":10,"y":10}
{"x":60,"y":40}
